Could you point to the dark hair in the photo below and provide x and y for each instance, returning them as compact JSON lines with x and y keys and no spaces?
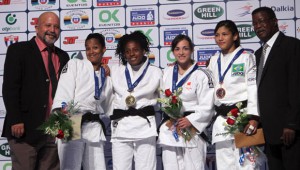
{"x":179,"y":38}
{"x":99,"y":37}
{"x":137,"y":37}
{"x":232,"y":28}
{"x":267,"y":10}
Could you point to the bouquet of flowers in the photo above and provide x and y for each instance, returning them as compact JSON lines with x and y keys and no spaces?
{"x":59,"y":123}
{"x":171,"y":106}
{"x":236,"y":121}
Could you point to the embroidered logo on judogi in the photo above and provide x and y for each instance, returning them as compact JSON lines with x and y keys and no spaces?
{"x":65,"y":69}
{"x":238,"y":70}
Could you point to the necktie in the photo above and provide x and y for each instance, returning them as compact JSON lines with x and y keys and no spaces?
{"x":52,"y":73}
{"x":261,"y":63}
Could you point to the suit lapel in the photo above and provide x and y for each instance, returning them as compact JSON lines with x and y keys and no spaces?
{"x":273,"y":52}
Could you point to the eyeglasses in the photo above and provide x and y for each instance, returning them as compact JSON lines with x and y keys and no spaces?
{"x":261,"y":22}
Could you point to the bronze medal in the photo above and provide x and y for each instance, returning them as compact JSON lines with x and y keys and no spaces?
{"x":130,"y":101}
{"x":220,"y":93}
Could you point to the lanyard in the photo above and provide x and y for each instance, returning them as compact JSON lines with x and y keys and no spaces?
{"x":128,"y":78}
{"x":221,"y":77}
{"x":98,"y":89}
{"x":183,"y":80}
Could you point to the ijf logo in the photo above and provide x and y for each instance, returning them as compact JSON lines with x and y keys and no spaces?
{"x":76,"y":19}
{"x":4,"y":2}
{"x":246,"y":9}
{"x":208,"y":12}
{"x":246,"y":31}
{"x":204,"y":55}
{"x":42,"y":2}
{"x":108,"y":2}
{"x":10,"y":19}
{"x":171,"y":34}
{"x":11,"y":39}
{"x":144,"y":17}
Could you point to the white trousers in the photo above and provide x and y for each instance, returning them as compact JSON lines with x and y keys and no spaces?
{"x":142,"y":151}
{"x":181,"y":158}
{"x":77,"y":153}
{"x":227,"y":157}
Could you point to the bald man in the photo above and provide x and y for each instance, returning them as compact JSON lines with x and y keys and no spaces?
{"x":29,"y":83}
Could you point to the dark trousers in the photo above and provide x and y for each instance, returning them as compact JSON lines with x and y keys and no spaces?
{"x":43,"y":156}
{"x":281,"y":157}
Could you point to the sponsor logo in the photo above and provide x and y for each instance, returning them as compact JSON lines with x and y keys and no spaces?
{"x":204,"y":55}
{"x":171,"y":34}
{"x":283,"y":27}
{"x":246,"y":9}
{"x":34,"y":21}
{"x":4,"y":2}
{"x":208,"y":32}
{"x":246,"y":31}
{"x":283,"y":8}
{"x":11,"y":39}
{"x":151,"y":58}
{"x":70,"y":40}
{"x":175,"y":14}
{"x":145,"y":17}
{"x":112,"y":37}
{"x":237,"y":70}
{"x":10,"y":19}
{"x":75,"y":3}
{"x":170,"y":59}
{"x":5,"y":150}
{"x":108,"y":2}
{"x":109,"y":18}
{"x":208,"y":12}
{"x":76,"y":19}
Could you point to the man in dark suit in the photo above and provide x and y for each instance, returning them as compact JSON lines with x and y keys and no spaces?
{"x":278,"y":91}
{"x":31,"y":71}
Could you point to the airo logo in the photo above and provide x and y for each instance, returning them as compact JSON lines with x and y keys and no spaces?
{"x":11,"y":19}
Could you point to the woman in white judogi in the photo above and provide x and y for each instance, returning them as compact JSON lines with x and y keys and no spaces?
{"x":84,"y":82}
{"x":197,"y":99}
{"x":238,"y":85}
{"x":136,"y":87}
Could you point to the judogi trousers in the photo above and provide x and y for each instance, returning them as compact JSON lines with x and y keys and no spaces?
{"x":143,"y":151}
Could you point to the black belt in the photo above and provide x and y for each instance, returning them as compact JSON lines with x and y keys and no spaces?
{"x":90,"y":117}
{"x":142,"y":112}
{"x":223,"y":110}
{"x":166,"y":117}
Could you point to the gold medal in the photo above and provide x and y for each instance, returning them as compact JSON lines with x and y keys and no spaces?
{"x":220,"y":93}
{"x":130,"y":101}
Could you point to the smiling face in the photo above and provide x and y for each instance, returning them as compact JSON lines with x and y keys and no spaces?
{"x":94,"y":52}
{"x":225,"y":40}
{"x":264,"y":26}
{"x":183,"y":52}
{"x":134,"y":53}
{"x":48,"y":28}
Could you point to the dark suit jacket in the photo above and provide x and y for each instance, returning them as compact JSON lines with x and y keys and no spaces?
{"x":279,"y":89}
{"x":25,"y":89}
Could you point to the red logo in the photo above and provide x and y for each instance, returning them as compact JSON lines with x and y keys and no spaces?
{"x":105,"y":60}
{"x":70,"y":40}
{"x":4,"y":2}
{"x":34,"y":21}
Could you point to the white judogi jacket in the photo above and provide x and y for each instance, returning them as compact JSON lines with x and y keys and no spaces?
{"x":197,"y":96}
{"x":132,"y":128}
{"x":77,"y":83}
{"x":239,"y":84}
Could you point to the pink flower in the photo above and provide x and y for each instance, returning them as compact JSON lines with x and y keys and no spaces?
{"x":168,"y":92}
{"x":234,"y":112}
{"x":60,"y":134}
{"x":230,"y":121}
{"x":174,"y":100}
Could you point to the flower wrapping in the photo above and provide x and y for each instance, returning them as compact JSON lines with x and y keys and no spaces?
{"x":171,"y":105}
{"x":59,"y":123}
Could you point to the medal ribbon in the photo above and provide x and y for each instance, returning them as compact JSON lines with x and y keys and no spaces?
{"x":128,"y":78}
{"x":98,"y":89}
{"x":183,"y":80}
{"x":221,"y":77}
